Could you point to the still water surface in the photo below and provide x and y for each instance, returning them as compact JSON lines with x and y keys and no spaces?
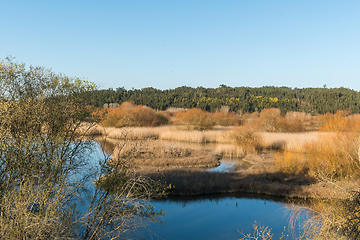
{"x":221,"y":216}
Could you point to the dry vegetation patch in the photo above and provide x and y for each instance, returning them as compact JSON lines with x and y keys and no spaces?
{"x":209,"y":136}
{"x":155,"y":154}
{"x":287,"y":141}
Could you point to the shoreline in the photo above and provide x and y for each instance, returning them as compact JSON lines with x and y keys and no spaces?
{"x":204,"y":183}
{"x":262,"y":177}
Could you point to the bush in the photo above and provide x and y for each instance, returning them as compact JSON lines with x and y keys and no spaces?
{"x":131,"y":115}
{"x":42,"y":152}
{"x":271,"y":120}
{"x":247,"y":138}
{"x":195,"y":119}
{"x":334,"y":155}
{"x":226,"y":119}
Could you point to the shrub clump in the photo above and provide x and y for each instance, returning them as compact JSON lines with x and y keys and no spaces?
{"x":335,"y":155}
{"x":131,"y":115}
{"x":271,"y":120}
{"x":247,"y":138}
{"x":195,"y":119}
{"x":226,"y":118}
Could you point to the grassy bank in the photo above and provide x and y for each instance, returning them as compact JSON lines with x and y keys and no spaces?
{"x":155,"y":155}
{"x":259,"y":176}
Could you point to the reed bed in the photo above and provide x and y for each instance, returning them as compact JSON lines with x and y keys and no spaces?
{"x":229,"y":150}
{"x":288,"y":141}
{"x":228,"y":140}
{"x":135,"y":133}
{"x":209,"y":136}
{"x":165,"y":133}
{"x":155,"y":154}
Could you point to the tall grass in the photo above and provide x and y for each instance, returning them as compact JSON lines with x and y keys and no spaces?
{"x":288,"y":141}
{"x":209,"y":136}
{"x":246,"y":136}
{"x":335,"y":154}
{"x":166,"y":133}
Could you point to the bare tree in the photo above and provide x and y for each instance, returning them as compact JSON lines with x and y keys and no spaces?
{"x":45,"y":191}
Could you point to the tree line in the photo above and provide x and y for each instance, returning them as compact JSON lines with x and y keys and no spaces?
{"x":245,"y":99}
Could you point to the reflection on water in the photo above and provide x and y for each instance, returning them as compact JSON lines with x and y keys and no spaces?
{"x":230,"y":165}
{"x":222,"y":217}
{"x":218,"y":216}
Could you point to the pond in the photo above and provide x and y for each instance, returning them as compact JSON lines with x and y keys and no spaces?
{"x":221,"y":216}
{"x":224,"y":217}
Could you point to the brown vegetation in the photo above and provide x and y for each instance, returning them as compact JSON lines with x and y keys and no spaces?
{"x":279,"y":159}
{"x":335,"y":154}
{"x":195,"y":119}
{"x":155,"y":154}
{"x":129,"y":115}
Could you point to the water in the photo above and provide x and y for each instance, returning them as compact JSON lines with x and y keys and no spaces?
{"x":230,"y":165}
{"x":219,"y":216}
{"x":222,"y":217}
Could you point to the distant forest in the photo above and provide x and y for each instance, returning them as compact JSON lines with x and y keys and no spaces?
{"x":245,"y":99}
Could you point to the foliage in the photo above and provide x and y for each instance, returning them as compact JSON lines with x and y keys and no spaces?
{"x":226,"y":118}
{"x":245,"y":99}
{"x":341,"y":121}
{"x":247,"y":138}
{"x":269,"y":120}
{"x":195,"y":119}
{"x":130,"y":115}
{"x":44,"y":171}
{"x":334,"y":218}
{"x":333,"y":156}
{"x":291,"y":162}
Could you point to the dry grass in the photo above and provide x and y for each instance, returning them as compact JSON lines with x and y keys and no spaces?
{"x":209,"y":136}
{"x":260,"y":177}
{"x":229,"y":150}
{"x":247,"y":137}
{"x":155,"y":154}
{"x":176,"y":165}
{"x":135,"y":133}
{"x":219,"y":149}
{"x":165,"y":133}
{"x":333,"y":156}
{"x":288,"y":141}
{"x":231,"y":141}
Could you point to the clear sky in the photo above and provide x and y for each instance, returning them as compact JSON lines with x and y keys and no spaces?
{"x":167,"y":44}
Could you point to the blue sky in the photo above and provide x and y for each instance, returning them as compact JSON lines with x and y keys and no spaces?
{"x":167,"y":44}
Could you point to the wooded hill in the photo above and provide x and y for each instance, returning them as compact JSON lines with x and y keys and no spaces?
{"x":246,"y":99}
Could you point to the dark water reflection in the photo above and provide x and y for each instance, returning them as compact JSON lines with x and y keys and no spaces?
{"x":223,"y":216}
